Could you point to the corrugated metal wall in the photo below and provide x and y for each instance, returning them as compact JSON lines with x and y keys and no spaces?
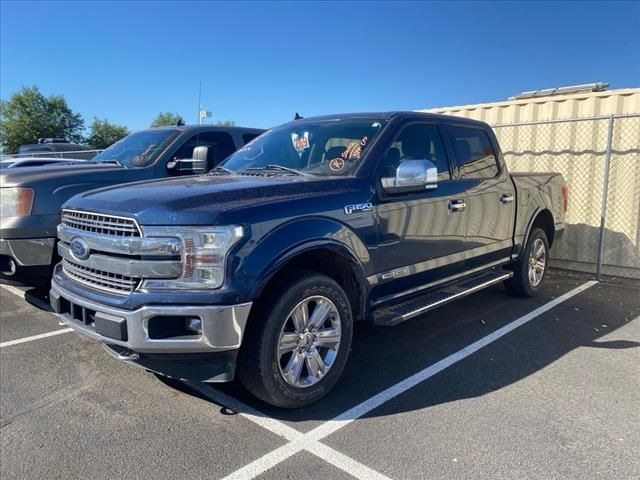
{"x":558,"y":107}
{"x":577,"y":149}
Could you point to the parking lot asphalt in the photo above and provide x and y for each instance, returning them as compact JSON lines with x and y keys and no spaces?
{"x":556,"y":397}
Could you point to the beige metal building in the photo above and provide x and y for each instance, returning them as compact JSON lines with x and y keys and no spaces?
{"x":551,"y":107}
{"x":571,"y":131}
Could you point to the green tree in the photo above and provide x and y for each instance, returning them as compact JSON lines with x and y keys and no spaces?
{"x":28,"y":115}
{"x":167,"y":119}
{"x":103,"y":133}
{"x":226,"y":123}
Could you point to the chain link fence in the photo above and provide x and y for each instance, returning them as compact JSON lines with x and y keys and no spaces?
{"x":599,"y":158}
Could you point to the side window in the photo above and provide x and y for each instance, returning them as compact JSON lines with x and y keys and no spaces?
{"x":474,"y":152}
{"x":220,"y":146}
{"x":417,"y":142}
{"x":247,"y":137}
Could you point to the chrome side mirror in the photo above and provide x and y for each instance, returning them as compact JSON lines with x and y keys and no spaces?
{"x":412,"y":176}
{"x":196,"y":165}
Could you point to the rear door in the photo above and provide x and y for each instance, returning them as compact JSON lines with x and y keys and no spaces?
{"x":421,"y":236}
{"x":490,"y":196}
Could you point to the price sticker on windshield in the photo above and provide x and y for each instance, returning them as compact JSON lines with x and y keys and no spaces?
{"x":300,"y":142}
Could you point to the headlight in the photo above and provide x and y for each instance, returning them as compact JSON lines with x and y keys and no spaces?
{"x":204,"y":254}
{"x":15,"y":202}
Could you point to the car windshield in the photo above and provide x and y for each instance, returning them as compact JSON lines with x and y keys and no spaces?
{"x":138,"y":149}
{"x":325,"y":148}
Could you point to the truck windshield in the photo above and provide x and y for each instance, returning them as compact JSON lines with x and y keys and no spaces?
{"x":138,"y":149}
{"x":325,"y":148}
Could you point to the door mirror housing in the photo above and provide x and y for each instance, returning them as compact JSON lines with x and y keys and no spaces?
{"x":196,"y":165}
{"x":412,"y":176}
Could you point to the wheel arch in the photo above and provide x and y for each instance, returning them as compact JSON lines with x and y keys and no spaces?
{"x":542,"y":219}
{"x":328,"y":258}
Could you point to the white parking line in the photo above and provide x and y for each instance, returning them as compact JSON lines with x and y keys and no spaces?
{"x":344,"y":463}
{"x":297,"y":442}
{"x":35,"y":337}
{"x":14,"y":290}
{"x":311,"y":441}
{"x":365,"y":407}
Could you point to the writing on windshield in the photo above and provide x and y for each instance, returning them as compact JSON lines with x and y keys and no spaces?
{"x":325,"y":148}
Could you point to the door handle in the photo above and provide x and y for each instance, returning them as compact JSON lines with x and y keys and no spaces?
{"x":506,"y":198}
{"x":457,"y":205}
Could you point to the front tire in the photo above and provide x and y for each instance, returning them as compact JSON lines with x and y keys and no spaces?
{"x":531,"y":268}
{"x":297,"y":341}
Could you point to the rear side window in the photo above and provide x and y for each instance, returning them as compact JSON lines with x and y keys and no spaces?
{"x":474,"y":152}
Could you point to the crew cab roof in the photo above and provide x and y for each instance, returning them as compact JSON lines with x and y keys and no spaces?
{"x":399,"y":115}
{"x":210,"y":128}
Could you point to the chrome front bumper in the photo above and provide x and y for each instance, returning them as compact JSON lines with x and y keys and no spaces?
{"x":222,"y":325}
{"x":28,"y":252}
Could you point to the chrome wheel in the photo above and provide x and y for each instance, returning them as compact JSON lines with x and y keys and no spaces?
{"x":537,"y":262}
{"x":309,"y":341}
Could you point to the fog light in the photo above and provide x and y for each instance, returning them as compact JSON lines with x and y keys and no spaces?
{"x":194,"y":325}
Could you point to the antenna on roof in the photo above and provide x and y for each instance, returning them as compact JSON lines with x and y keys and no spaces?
{"x":297,"y":116}
{"x":180,"y":122}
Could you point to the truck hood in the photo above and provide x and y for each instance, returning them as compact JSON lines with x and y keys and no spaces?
{"x":67,"y":172}
{"x":200,"y":200}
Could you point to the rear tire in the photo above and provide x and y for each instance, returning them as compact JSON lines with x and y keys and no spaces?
{"x":297,"y":341}
{"x":531,"y":268}
{"x":38,"y":277}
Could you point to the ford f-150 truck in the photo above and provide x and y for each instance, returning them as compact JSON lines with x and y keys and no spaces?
{"x":30,"y":198}
{"x":260,"y":268}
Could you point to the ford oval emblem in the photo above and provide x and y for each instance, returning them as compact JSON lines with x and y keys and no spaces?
{"x":80,"y":249}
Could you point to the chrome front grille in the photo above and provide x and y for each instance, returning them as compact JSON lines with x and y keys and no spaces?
{"x":98,"y":279}
{"x":101,"y":224}
{"x":111,"y":254}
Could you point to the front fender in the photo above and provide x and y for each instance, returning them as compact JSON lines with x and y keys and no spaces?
{"x":289,"y":240}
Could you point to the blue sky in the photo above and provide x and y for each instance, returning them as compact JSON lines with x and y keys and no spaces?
{"x":261,"y":62}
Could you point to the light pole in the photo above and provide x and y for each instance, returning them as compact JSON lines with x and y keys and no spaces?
{"x":200,"y":104}
{"x":202,"y":114}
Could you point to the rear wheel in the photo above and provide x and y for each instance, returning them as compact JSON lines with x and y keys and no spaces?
{"x":531,"y":268}
{"x":297,"y":342}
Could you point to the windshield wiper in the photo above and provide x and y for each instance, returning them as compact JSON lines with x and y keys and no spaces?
{"x":221,"y":169}
{"x":111,"y":160}
{"x":275,"y":168}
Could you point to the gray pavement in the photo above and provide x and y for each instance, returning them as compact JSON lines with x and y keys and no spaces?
{"x":558,"y":397}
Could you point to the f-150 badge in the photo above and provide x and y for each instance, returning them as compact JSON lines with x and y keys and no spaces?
{"x":358,"y":207}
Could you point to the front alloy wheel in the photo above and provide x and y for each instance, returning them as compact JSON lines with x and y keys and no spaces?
{"x":297,"y":340}
{"x":309,"y":341}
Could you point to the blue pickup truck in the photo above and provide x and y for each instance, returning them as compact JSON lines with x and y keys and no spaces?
{"x":259,"y":268}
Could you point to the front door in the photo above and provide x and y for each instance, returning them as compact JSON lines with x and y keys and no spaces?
{"x":219,"y":144}
{"x":421,"y":236}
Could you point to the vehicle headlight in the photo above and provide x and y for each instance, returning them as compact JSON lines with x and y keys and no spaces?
{"x":15,"y":201}
{"x":204,"y":254}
